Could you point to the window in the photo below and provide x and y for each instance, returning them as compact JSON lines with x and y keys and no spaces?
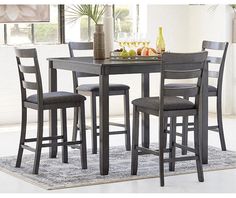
{"x":126,"y":23}
{"x":80,"y":29}
{"x":36,"y":33}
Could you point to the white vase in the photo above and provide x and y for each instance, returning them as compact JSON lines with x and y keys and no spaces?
{"x":108,"y":30}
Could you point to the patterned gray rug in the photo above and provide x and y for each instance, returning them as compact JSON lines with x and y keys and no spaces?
{"x":53,"y":174}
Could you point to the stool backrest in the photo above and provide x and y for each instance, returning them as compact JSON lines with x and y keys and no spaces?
{"x":216,"y":60}
{"x":31,"y":69}
{"x":79,"y":46}
{"x":182,"y":66}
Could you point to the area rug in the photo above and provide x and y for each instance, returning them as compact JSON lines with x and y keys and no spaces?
{"x":53,"y":174}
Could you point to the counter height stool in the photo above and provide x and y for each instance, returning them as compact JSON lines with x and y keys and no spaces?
{"x":45,"y":101}
{"x":171,"y":104}
{"x":218,"y":61}
{"x":92,"y":90}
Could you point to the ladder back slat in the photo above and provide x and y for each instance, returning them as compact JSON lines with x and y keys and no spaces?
{"x":29,"y":85}
{"x":182,"y":74}
{"x":214,"y":60}
{"x":26,"y":53}
{"x":213,"y":45}
{"x":27,"y":69}
{"x":189,"y":92}
{"x":81,"y":45}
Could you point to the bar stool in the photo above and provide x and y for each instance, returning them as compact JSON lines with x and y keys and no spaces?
{"x":92,"y":90}
{"x":217,"y":62}
{"x":170,"y":104}
{"x":45,"y":101}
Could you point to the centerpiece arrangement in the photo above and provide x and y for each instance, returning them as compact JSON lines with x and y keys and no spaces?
{"x":95,"y":13}
{"x":140,"y":50}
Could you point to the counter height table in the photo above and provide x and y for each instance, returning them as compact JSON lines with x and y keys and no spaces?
{"x":105,"y":68}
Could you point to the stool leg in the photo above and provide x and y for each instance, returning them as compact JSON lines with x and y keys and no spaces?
{"x":83,"y":149}
{"x":172,"y":143}
{"x":94,"y":123}
{"x":75,"y":123}
{"x":161,"y":149}
{"x":220,"y":124}
{"x":185,"y":134}
{"x":22,"y":136}
{"x":165,"y":133}
{"x":127,"y":120}
{"x":38,"y":142}
{"x":135,"y":136}
{"x":197,"y":149}
{"x":64,"y":134}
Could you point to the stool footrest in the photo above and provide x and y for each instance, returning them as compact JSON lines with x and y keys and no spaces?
{"x":144,"y":151}
{"x":181,"y":159}
{"x":44,"y":138}
{"x":213,"y":128}
{"x":115,"y":132}
{"x":185,"y":147}
{"x":61,"y":144}
{"x":28,"y":148}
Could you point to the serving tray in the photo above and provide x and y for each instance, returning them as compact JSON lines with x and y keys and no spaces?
{"x":135,"y":58}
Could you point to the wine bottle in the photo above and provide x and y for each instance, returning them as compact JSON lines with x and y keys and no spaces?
{"x":160,"y":43}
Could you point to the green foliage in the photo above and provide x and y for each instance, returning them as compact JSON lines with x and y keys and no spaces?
{"x":121,"y":13}
{"x":74,"y":12}
{"x":46,"y":32}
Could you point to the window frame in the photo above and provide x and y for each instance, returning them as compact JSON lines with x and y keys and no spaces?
{"x":61,"y":26}
{"x":61,"y":32}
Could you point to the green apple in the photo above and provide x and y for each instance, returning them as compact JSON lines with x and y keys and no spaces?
{"x":132,"y":52}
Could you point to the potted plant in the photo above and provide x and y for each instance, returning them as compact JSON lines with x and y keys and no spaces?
{"x":95,"y":13}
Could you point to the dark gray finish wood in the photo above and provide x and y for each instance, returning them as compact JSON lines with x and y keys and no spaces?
{"x":40,"y":106}
{"x":222,"y":46}
{"x":217,"y":62}
{"x":64,"y":134}
{"x":94,"y":122}
{"x":197,"y":71}
{"x":108,"y":67}
{"x":78,"y":46}
{"x":172,"y":143}
{"x":104,"y":124}
{"x":135,"y":138}
{"x":127,"y":120}
{"x":52,"y":74}
{"x":145,"y":92}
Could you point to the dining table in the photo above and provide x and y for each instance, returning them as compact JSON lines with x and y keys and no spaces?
{"x":104,"y":69}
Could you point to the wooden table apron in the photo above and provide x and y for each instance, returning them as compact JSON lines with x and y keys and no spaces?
{"x":104,"y":68}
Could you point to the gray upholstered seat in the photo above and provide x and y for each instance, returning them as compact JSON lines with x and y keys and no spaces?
{"x":95,"y":87}
{"x":170,"y":103}
{"x":57,"y":97}
{"x":210,"y":87}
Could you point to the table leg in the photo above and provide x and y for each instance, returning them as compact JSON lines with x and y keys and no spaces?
{"x":52,"y":113}
{"x":145,"y":117}
{"x":104,"y":124}
{"x":204,"y":116}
